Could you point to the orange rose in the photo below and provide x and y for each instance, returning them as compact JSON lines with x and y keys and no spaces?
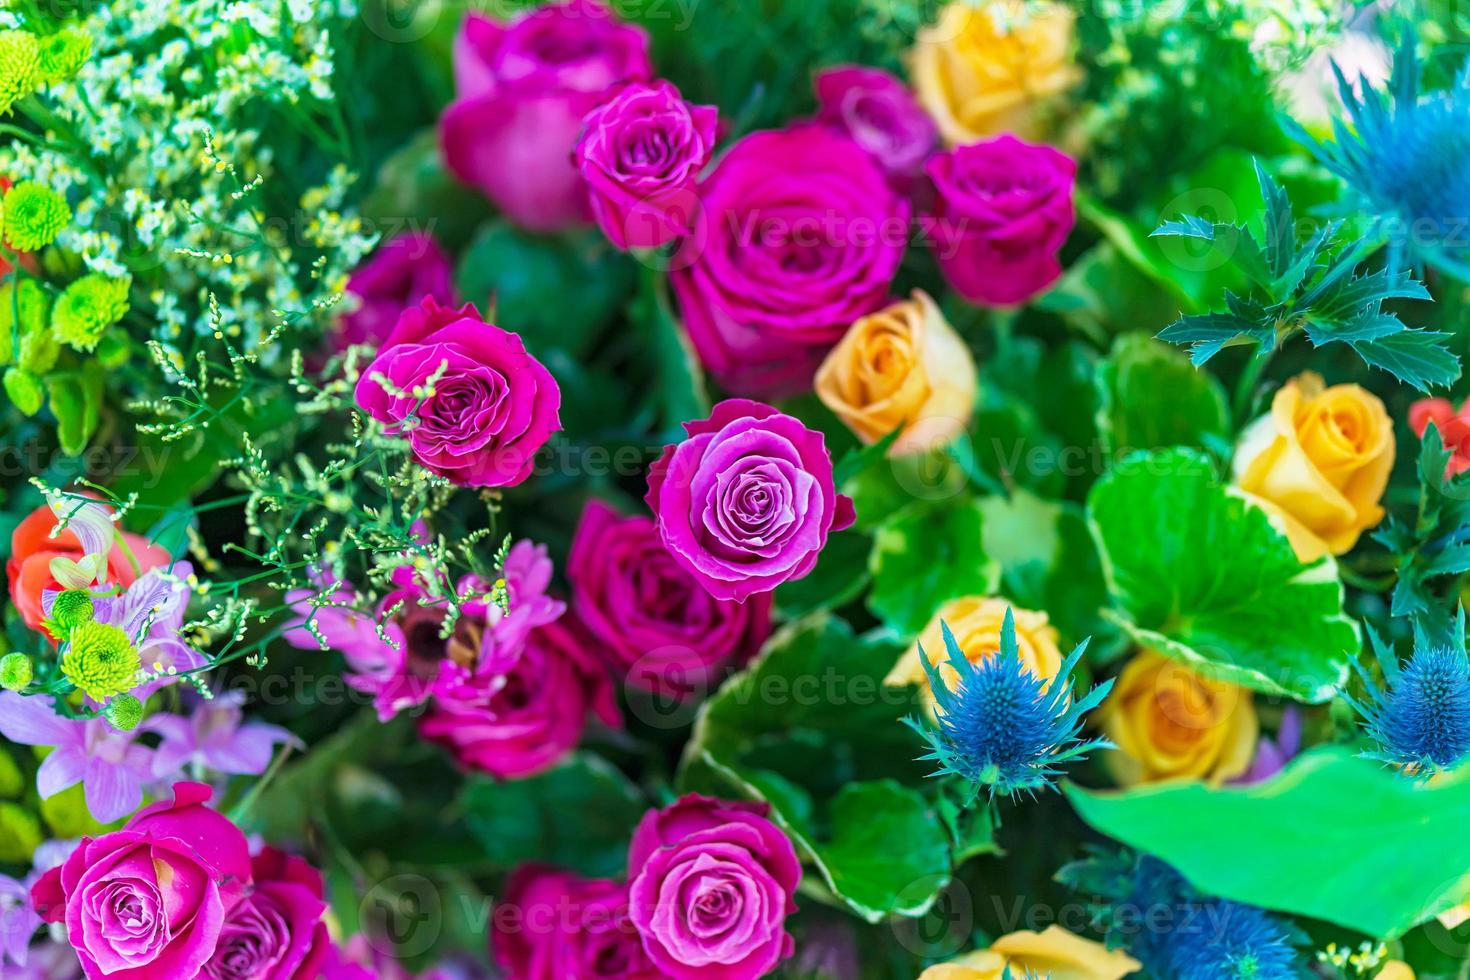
{"x":1169,"y":722}
{"x":1319,"y":462}
{"x":984,"y":70}
{"x":902,"y":366}
{"x":976,"y":622}
{"x":32,"y":548}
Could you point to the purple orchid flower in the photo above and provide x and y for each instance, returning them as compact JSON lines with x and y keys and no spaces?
{"x":1273,"y":755}
{"x":111,"y":767}
{"x":18,"y":922}
{"x":216,"y":736}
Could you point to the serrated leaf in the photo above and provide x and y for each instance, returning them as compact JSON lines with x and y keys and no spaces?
{"x":1208,"y":333}
{"x":1335,"y":837}
{"x":1199,"y":574}
{"x":1416,"y":357}
{"x":1190,"y":226}
{"x":1372,"y":326}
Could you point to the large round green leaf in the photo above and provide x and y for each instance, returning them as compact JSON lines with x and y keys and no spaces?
{"x":1335,"y":837}
{"x":1201,"y":575}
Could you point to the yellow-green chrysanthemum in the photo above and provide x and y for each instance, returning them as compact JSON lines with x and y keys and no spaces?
{"x":100,"y":660}
{"x":16,"y":671}
{"x":87,"y":308}
{"x":20,"y":67}
{"x":63,"y":54}
{"x":34,"y":216}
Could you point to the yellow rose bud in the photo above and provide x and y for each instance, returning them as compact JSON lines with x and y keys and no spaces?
{"x":1319,"y":462}
{"x":984,"y":70}
{"x":975,"y":622}
{"x":902,"y":366}
{"x":1054,"y":953}
{"x":1169,"y":722}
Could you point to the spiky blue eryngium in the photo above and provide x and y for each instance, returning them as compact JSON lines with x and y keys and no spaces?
{"x":999,"y":726}
{"x":1150,"y":910}
{"x":1420,"y":720}
{"x":1408,"y":158}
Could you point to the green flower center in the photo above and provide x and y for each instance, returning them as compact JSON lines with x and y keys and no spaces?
{"x":100,"y":660}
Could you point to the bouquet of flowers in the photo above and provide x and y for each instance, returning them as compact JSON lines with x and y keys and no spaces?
{"x":636,"y":489}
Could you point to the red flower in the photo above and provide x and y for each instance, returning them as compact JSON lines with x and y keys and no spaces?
{"x":1453,"y":426}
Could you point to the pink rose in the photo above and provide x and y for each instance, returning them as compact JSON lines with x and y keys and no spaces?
{"x":400,"y":274}
{"x":712,"y":885}
{"x":522,"y":89}
{"x":521,"y":719}
{"x":747,"y":500}
{"x":492,"y":407}
{"x":150,"y":900}
{"x":555,"y":925}
{"x":1002,"y":210}
{"x":798,"y":235}
{"x":277,"y":932}
{"x":641,"y":153}
{"x":661,"y":629}
{"x":881,"y":115}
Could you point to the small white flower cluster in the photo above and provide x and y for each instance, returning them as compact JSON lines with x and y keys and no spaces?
{"x":158,"y":143}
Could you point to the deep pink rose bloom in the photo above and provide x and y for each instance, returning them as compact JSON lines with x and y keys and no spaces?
{"x":747,"y":500}
{"x":277,"y":932}
{"x":881,"y":115}
{"x":522,"y":89}
{"x":712,"y":885}
{"x":798,"y":235}
{"x":150,"y":900}
{"x":399,"y":275}
{"x":641,"y":153}
{"x":555,"y":925}
{"x":658,"y":625}
{"x":1002,"y":210}
{"x":522,"y":719}
{"x":493,"y":406}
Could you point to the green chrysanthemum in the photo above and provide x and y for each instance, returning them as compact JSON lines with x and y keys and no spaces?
{"x":34,"y":216}
{"x":87,"y":308}
{"x":24,"y":390}
{"x":20,"y":67}
{"x":63,"y":54}
{"x":100,"y":660}
{"x":16,"y":671}
{"x":72,"y":608}
{"x":124,"y":712}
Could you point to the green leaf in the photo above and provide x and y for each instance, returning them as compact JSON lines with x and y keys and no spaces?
{"x":557,"y":292}
{"x":681,"y":394}
{"x":1416,"y":357}
{"x":1334,"y":837}
{"x":579,"y":815}
{"x":1209,"y":333}
{"x":841,"y":574}
{"x":76,"y":401}
{"x":810,"y":729}
{"x":1200,"y":575}
{"x":1153,"y":398}
{"x":926,"y":555}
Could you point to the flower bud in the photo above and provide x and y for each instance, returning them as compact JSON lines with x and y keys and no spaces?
{"x":16,"y":671}
{"x":124,"y":712}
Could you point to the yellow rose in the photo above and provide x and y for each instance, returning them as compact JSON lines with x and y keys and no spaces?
{"x":982,"y":70}
{"x":902,"y":366}
{"x":1319,"y":462}
{"x":975,"y":622}
{"x":1169,"y":722}
{"x":1055,"y":953}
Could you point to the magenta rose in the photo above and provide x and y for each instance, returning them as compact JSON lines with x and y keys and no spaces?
{"x":150,"y":900}
{"x":1002,"y":210}
{"x":555,"y":925}
{"x":523,"y":718}
{"x":747,"y":500}
{"x":881,"y":115}
{"x":641,"y":153}
{"x":277,"y":932}
{"x":712,"y":885}
{"x":661,"y":629}
{"x":798,"y":235}
{"x":521,"y":91}
{"x":400,"y":274}
{"x":492,"y":407}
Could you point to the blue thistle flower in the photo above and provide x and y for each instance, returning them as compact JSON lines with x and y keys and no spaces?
{"x":998,"y":726}
{"x":1408,"y":158}
{"x":1420,"y":721}
{"x":1231,"y":941}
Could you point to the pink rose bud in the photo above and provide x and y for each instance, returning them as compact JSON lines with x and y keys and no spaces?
{"x":881,"y":115}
